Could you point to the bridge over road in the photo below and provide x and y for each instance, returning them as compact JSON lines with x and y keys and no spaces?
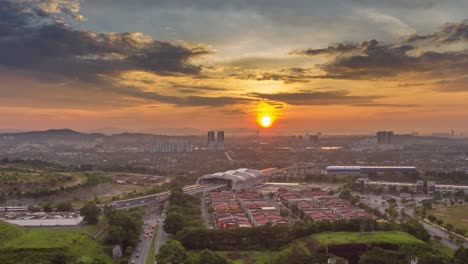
{"x":161,"y":197}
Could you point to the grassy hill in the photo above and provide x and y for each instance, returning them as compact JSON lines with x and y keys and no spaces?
{"x":9,"y":232}
{"x":40,"y":245}
{"x":345,"y":245}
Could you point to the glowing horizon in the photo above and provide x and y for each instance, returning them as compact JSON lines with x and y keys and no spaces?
{"x":369,"y":65}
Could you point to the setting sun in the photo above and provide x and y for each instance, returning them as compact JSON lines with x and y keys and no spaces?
{"x":266,"y":114}
{"x":266,"y":121}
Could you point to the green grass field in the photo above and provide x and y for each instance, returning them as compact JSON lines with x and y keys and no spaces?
{"x":455,"y":215}
{"x":42,"y":243}
{"x":391,"y":237}
{"x":9,"y":232}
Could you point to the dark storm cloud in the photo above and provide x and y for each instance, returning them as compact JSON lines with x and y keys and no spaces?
{"x":339,"y":97}
{"x":413,"y":4}
{"x":196,"y":87}
{"x":197,"y":101}
{"x":35,"y":39}
{"x":290,"y":75}
{"x":335,"y":48}
{"x":372,"y":59}
{"x":234,"y":112}
{"x":451,"y":32}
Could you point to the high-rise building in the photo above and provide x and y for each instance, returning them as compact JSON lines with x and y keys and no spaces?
{"x":220,"y":140}
{"x":211,"y":140}
{"x":384,"y":137}
{"x":313,"y":139}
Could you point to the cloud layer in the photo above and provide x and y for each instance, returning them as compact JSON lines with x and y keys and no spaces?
{"x":37,"y":35}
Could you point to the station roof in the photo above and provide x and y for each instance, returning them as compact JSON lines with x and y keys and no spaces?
{"x":239,"y":175}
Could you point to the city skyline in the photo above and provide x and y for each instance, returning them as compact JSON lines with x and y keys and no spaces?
{"x":341,"y":67}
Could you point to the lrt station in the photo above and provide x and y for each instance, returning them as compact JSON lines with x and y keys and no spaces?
{"x":247,"y":200}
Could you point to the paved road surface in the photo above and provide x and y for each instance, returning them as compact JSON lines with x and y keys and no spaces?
{"x":434,"y":231}
{"x":145,"y":244}
{"x":161,"y":235}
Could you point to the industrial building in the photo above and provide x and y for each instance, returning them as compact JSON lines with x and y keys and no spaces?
{"x":368,"y":169}
{"x":417,"y":187}
{"x":446,"y":188}
{"x":236,"y":180}
{"x":430,"y":187}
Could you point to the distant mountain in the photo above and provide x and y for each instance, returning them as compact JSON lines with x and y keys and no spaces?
{"x":50,"y":132}
{"x":51,"y":136}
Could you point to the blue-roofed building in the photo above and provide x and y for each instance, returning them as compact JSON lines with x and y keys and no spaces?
{"x":368,"y":169}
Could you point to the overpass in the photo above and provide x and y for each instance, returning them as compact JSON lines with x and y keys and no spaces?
{"x":299,"y":170}
{"x":161,"y":197}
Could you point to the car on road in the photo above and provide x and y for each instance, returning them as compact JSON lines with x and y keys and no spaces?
{"x":137,"y":255}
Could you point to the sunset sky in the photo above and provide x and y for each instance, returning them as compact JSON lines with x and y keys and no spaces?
{"x":349,"y":66}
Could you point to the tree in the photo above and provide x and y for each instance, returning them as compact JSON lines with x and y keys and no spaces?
{"x":47,"y":207}
{"x":209,"y":257}
{"x":449,"y":227}
{"x":173,"y":223}
{"x":124,"y":228}
{"x":413,"y":227}
{"x":172,"y":252}
{"x":91,"y":213}
{"x":284,"y":212}
{"x":294,"y":209}
{"x":64,"y":207}
{"x":354,"y":199}
{"x":460,"y":256}
{"x":210,"y":209}
{"x":34,"y":209}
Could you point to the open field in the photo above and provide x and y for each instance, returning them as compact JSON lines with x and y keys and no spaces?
{"x":35,"y":176}
{"x":455,"y":215}
{"x":38,"y":245}
{"x":390,"y":237}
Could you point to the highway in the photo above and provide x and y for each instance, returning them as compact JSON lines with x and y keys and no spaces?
{"x":161,"y":237}
{"x":141,"y":250}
